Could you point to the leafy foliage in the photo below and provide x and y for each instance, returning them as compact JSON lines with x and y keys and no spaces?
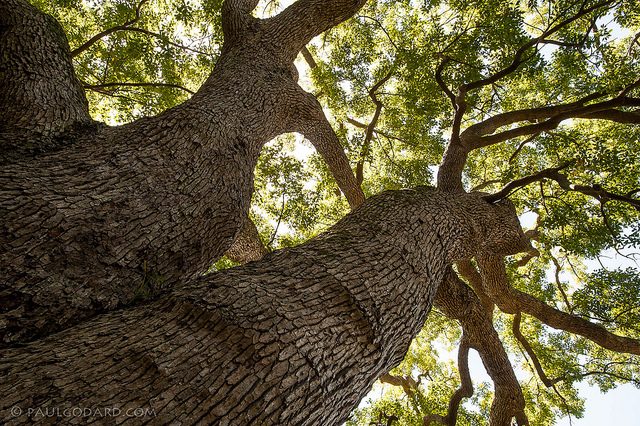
{"x":176,"y":42}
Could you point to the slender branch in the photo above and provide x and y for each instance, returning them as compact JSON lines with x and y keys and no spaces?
{"x":364,"y":152}
{"x":87,"y":44}
{"x":519,"y":59}
{"x":116,"y":85}
{"x":515,"y":328}
{"x":384,"y":30}
{"x":464,"y":391}
{"x":595,"y":191}
{"x":408,"y":384}
{"x":308,"y":57}
{"x":361,"y":125}
{"x":522,"y":145}
{"x":509,"y":188}
{"x":164,"y":39}
{"x":275,"y":231}
{"x":441,"y":82}
{"x":559,"y":283}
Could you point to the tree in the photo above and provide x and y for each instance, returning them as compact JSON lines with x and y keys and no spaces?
{"x":108,"y":230}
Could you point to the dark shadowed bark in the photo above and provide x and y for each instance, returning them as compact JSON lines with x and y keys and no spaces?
{"x":110,"y":215}
{"x":96,"y":218}
{"x":40,"y":97}
{"x":296,"y":338}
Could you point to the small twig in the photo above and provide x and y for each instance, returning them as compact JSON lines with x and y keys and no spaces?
{"x":100,"y":35}
{"x":100,"y":87}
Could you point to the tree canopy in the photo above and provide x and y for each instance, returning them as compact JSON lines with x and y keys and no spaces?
{"x":533,"y":100}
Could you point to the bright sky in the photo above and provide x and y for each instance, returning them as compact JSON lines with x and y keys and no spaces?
{"x":620,"y":406}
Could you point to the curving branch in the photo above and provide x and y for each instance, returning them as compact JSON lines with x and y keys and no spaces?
{"x":457,"y":301}
{"x":441,"y":82}
{"x":553,"y":173}
{"x":93,"y":40}
{"x":364,"y":152}
{"x":512,"y":301}
{"x":311,"y":122}
{"x":295,"y":26}
{"x":115,"y":85}
{"x":464,"y":391}
{"x":515,"y":328}
{"x":456,"y":154}
{"x":600,"y":110}
{"x":491,"y":124}
{"x":407,"y":383}
{"x":519,"y":57}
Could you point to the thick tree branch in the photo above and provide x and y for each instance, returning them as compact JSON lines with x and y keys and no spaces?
{"x":313,"y":124}
{"x":457,"y":301}
{"x":455,"y":157}
{"x":40,"y":96}
{"x":512,"y":301}
{"x":295,"y":26}
{"x":596,"y":110}
{"x":491,"y":124}
{"x":236,"y":17}
{"x":308,"y":57}
{"x":247,"y":246}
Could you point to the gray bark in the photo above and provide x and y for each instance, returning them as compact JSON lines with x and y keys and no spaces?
{"x":295,"y":338}
{"x":111,"y":215}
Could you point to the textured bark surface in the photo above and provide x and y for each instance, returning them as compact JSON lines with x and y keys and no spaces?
{"x":119,"y":214}
{"x":40,"y":97}
{"x":277,"y":341}
{"x":247,"y":245}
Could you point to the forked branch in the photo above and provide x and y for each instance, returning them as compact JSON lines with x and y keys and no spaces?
{"x":364,"y":152}
{"x":93,"y":40}
{"x":512,"y":301}
{"x":553,"y":173}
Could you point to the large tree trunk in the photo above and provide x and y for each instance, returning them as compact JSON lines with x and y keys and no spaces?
{"x":96,"y":217}
{"x":296,"y":338}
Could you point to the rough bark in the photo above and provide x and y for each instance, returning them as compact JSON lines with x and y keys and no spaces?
{"x":296,"y":338}
{"x":117,"y":214}
{"x":456,"y":300}
{"x":247,"y":246}
{"x":40,"y":96}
